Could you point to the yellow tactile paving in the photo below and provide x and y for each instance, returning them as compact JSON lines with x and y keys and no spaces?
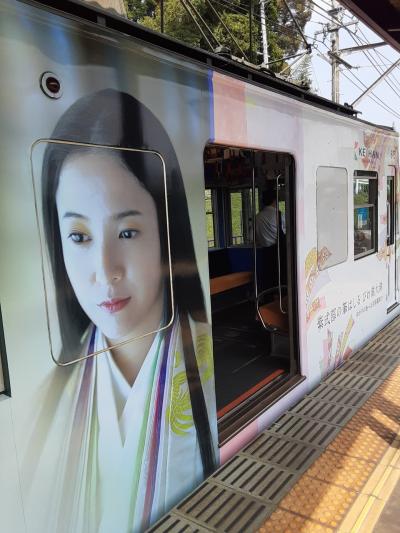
{"x":387,"y":390}
{"x":390,"y":393}
{"x":373,"y":417}
{"x":285,"y":522}
{"x":388,"y":407}
{"x":393,"y":378}
{"x":395,"y":374}
{"x":390,"y":386}
{"x":347,"y":486}
{"x":319,"y":501}
{"x":364,"y":444}
{"x":342,"y":470}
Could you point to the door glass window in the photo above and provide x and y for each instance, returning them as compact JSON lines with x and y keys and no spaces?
{"x":241,"y":219}
{"x":210,"y":217}
{"x":390,"y":210}
{"x":365,"y":193}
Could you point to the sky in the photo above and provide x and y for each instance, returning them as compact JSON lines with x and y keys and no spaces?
{"x":363,"y":69}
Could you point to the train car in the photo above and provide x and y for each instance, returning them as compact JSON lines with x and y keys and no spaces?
{"x":189,"y":246}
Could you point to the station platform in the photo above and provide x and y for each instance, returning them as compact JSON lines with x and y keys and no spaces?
{"x":331,"y":463}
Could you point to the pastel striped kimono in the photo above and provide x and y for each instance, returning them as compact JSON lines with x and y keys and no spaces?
{"x":128,"y":454}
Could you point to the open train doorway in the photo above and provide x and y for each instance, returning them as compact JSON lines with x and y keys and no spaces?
{"x":249,"y":204}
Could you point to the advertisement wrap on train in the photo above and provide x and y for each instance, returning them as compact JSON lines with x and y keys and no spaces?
{"x":147,"y":333}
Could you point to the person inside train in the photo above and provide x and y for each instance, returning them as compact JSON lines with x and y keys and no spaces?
{"x":267,"y":236}
{"x":138,"y":406}
{"x":266,"y":220}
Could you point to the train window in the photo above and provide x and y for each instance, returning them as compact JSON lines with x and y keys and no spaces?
{"x":332,"y":207}
{"x":365,"y":193}
{"x":211,"y":204}
{"x":111,"y":209}
{"x":241,"y":217}
{"x":390,"y":210}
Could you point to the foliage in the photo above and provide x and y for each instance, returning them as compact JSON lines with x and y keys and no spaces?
{"x":177,"y":22}
{"x":138,"y":9}
{"x":302,"y":73}
{"x":289,"y":38}
{"x":283,"y":36}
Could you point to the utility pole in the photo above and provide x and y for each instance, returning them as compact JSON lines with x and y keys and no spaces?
{"x":334,"y":31}
{"x":335,"y":54}
{"x":264,"y":33}
{"x":251,"y":31}
{"x":335,"y":58}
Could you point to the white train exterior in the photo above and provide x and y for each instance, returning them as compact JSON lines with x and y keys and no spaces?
{"x":341,"y":301}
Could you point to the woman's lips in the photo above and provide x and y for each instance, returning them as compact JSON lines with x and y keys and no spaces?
{"x":114,"y":305}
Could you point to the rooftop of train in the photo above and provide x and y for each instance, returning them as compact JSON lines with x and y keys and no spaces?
{"x":93,"y":11}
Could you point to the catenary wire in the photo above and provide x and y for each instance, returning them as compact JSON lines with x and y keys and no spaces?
{"x":372,"y":95}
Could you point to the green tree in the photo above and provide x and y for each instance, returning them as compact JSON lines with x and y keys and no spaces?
{"x":289,"y":38}
{"x":177,"y":22}
{"x":138,"y":9}
{"x":283,"y":36}
{"x":302,"y":73}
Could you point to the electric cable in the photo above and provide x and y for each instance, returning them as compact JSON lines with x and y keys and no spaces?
{"x":354,"y":37}
{"x":372,"y":95}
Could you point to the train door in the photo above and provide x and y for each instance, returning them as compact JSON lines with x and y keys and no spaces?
{"x":249,"y":212}
{"x":391,"y":237}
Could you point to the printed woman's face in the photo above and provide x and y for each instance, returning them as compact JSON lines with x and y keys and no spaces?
{"x":111,"y":245}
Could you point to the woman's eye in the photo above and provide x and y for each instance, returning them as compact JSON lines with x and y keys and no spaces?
{"x":128,"y":234}
{"x":78,"y":237}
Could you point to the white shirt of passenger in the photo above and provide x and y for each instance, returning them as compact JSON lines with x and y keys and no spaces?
{"x":266,"y":228}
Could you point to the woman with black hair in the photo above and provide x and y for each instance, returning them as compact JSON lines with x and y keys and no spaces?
{"x":132,"y":321}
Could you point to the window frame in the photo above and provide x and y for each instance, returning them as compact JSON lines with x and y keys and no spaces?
{"x":252,"y":407}
{"x":390,"y":236}
{"x":317,"y":190}
{"x":371,"y":176}
{"x":47,"y":279}
{"x":214,"y":213}
{"x":227,"y":193}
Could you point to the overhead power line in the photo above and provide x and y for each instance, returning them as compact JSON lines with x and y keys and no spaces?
{"x":333,"y":26}
{"x":380,"y":56}
{"x":226,"y":28}
{"x":369,"y":57}
{"x":372,"y":96}
{"x":196,"y":23}
{"x":242,"y":11}
{"x":369,"y":89}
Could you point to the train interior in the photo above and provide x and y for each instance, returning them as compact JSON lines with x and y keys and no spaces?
{"x":249,"y":282}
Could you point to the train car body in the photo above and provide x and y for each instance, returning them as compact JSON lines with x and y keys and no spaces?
{"x":341,"y":181}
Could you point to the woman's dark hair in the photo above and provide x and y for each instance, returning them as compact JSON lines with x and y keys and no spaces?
{"x":116,"y":119}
